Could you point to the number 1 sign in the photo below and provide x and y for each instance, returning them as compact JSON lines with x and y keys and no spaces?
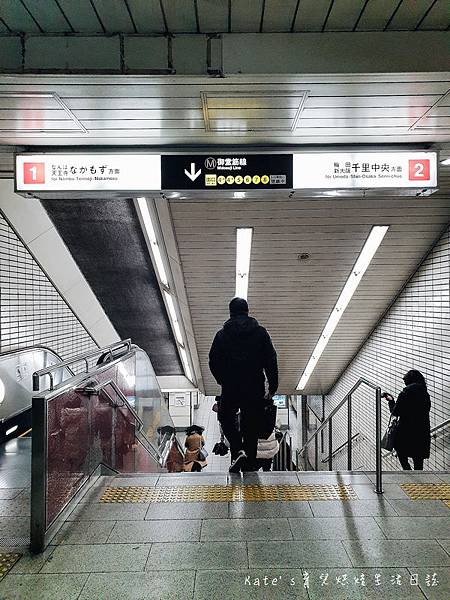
{"x":34,"y":172}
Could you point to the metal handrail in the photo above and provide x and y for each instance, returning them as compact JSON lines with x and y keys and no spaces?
{"x":329,"y":421}
{"x":433,"y":430}
{"x":79,"y":358}
{"x":100,"y":387}
{"x":320,"y":419}
{"x":339,"y":448}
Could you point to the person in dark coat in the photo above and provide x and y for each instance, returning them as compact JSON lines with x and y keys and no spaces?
{"x":412,"y":438}
{"x":241,"y":357}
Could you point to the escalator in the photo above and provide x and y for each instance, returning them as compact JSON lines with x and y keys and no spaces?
{"x":16,"y":369}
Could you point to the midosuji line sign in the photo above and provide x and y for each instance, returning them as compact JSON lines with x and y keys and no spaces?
{"x":226,"y":171}
{"x":118,"y":172}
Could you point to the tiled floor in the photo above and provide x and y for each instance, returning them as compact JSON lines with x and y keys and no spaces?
{"x":386,"y":547}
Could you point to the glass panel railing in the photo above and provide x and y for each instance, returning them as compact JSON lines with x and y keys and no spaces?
{"x":150,"y":405}
{"x":112,"y":417}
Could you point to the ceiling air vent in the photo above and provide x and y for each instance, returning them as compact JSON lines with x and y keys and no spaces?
{"x":37,"y":112}
{"x":436,"y":117}
{"x":266,"y":110}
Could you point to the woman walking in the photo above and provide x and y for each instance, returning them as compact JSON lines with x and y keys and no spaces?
{"x":412,"y":437}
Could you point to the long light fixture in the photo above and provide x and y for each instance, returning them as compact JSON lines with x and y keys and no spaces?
{"x":368,"y":251}
{"x":173,"y":317}
{"x":243,"y":251}
{"x":150,"y":230}
{"x":170,"y":303}
{"x":184,"y":359}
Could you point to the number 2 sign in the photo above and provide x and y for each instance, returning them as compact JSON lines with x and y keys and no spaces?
{"x":34,"y":172}
{"x":419,"y":170}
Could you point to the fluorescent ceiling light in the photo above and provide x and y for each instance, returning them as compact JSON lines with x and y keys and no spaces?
{"x":445,"y":162}
{"x":12,"y":430}
{"x":187,"y":368}
{"x":173,"y":317}
{"x":243,"y":251}
{"x":2,"y":391}
{"x":239,"y":194}
{"x":145,"y":213}
{"x":367,"y":253}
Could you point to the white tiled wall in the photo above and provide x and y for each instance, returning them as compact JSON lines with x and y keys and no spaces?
{"x":32,"y":311}
{"x":415,"y":333}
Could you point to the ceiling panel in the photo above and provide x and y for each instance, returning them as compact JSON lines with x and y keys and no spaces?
{"x":213,"y":16}
{"x":278,"y":15}
{"x":438,"y":17}
{"x":147,"y":15}
{"x":246,"y":15}
{"x":409,"y":14}
{"x":311,"y":15}
{"x":16,"y":17}
{"x":48,"y":15}
{"x":257,"y":110}
{"x":293,"y":299}
{"x":180,"y":16}
{"x":149,"y":87}
{"x":376,"y":15}
{"x":114,"y":16}
{"x":81,"y":16}
{"x":344,"y":15}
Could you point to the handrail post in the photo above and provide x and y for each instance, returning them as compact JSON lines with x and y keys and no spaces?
{"x":330,"y":445}
{"x":349,"y":433}
{"x":39,"y":468}
{"x":316,"y":453}
{"x":379,"y":482}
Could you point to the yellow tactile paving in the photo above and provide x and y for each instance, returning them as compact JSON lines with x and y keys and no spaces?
{"x":427,"y":491}
{"x":228,"y":493}
{"x":7,"y":561}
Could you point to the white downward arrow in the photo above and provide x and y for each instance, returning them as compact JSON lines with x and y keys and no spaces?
{"x":192,"y":175}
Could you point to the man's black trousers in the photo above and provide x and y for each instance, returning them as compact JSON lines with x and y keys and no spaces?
{"x":242,"y":433}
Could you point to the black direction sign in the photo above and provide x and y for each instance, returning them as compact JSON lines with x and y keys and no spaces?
{"x":226,"y":172}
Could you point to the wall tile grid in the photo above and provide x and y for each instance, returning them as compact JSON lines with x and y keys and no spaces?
{"x":415,"y":333}
{"x":32,"y":311}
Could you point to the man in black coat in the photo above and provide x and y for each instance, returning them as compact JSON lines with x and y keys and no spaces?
{"x":241,"y":356}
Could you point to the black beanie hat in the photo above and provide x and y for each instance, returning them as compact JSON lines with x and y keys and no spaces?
{"x":238,"y":306}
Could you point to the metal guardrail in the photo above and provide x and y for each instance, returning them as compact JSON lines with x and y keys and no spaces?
{"x":79,"y":358}
{"x":437,"y":428}
{"x":328,"y":422}
{"x":95,"y":387}
{"x":341,"y":447}
{"x":98,"y":387}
